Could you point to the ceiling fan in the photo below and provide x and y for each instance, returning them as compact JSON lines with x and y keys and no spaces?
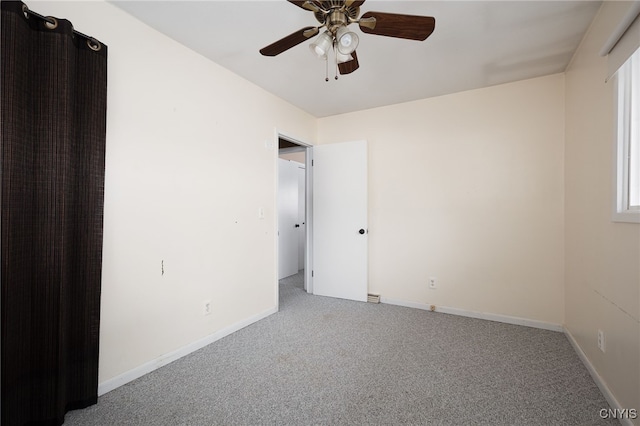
{"x":336,"y":16}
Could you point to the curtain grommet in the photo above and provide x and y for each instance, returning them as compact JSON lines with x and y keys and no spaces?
{"x":25,"y":11}
{"x":50,"y":22}
{"x":94,"y":44}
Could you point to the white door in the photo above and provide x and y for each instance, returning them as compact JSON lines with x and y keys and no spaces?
{"x":340,"y":220}
{"x":302,"y":229}
{"x":287,"y":218}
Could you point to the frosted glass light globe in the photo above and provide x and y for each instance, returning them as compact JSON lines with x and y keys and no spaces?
{"x":347,"y":40}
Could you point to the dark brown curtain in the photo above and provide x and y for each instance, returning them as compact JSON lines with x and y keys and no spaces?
{"x":53,"y":145}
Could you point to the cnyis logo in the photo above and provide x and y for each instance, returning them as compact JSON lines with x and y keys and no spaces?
{"x":619,"y":413}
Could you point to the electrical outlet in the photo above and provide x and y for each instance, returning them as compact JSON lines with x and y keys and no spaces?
{"x":206,"y":307}
{"x":601,"y":341}
{"x":433,"y":283}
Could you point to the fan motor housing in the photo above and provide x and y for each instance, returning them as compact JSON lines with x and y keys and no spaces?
{"x":337,"y":18}
{"x":330,"y":7}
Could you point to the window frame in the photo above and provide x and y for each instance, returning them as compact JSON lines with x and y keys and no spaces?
{"x":626,"y":106}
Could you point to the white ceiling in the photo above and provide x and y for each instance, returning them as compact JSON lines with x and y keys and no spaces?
{"x":475,"y":44}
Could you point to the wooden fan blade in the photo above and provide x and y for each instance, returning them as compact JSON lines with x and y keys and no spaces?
{"x":411,"y":27}
{"x":297,"y":2}
{"x":289,"y":41}
{"x":349,"y":66}
{"x":354,"y":3}
{"x":306,"y":4}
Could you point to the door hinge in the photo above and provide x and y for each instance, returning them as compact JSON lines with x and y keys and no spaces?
{"x":312,"y":273}
{"x":311,"y":163}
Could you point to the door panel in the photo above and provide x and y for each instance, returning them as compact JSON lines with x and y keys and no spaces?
{"x":340,"y":239}
{"x":302,"y":230}
{"x":287,"y":218}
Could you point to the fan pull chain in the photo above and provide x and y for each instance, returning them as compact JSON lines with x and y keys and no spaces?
{"x":326,"y":73}
{"x":335,"y":54}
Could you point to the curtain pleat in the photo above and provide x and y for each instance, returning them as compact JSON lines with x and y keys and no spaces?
{"x":53,"y":147}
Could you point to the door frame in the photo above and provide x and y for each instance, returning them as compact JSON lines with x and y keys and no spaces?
{"x":308,"y":260}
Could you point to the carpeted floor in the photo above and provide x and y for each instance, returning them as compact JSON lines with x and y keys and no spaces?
{"x":330,"y":361}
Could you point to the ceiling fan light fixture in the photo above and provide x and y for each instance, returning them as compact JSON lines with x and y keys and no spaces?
{"x":334,"y":17}
{"x":347,"y":41}
{"x":321,"y":46}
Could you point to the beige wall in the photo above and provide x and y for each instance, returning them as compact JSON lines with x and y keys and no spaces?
{"x":186,"y":172}
{"x":602,"y":258}
{"x":467,"y":188}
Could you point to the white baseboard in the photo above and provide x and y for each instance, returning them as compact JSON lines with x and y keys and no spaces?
{"x":606,"y":392}
{"x":479,"y":315}
{"x":111,"y":384}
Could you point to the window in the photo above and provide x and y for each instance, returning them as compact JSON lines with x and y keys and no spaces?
{"x":627,"y":206}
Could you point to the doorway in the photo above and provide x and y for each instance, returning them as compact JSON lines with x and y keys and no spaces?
{"x":294,"y":210}
{"x":336,"y":237}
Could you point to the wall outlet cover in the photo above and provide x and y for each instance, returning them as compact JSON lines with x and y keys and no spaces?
{"x":601,"y":340}
{"x":433,"y":282}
